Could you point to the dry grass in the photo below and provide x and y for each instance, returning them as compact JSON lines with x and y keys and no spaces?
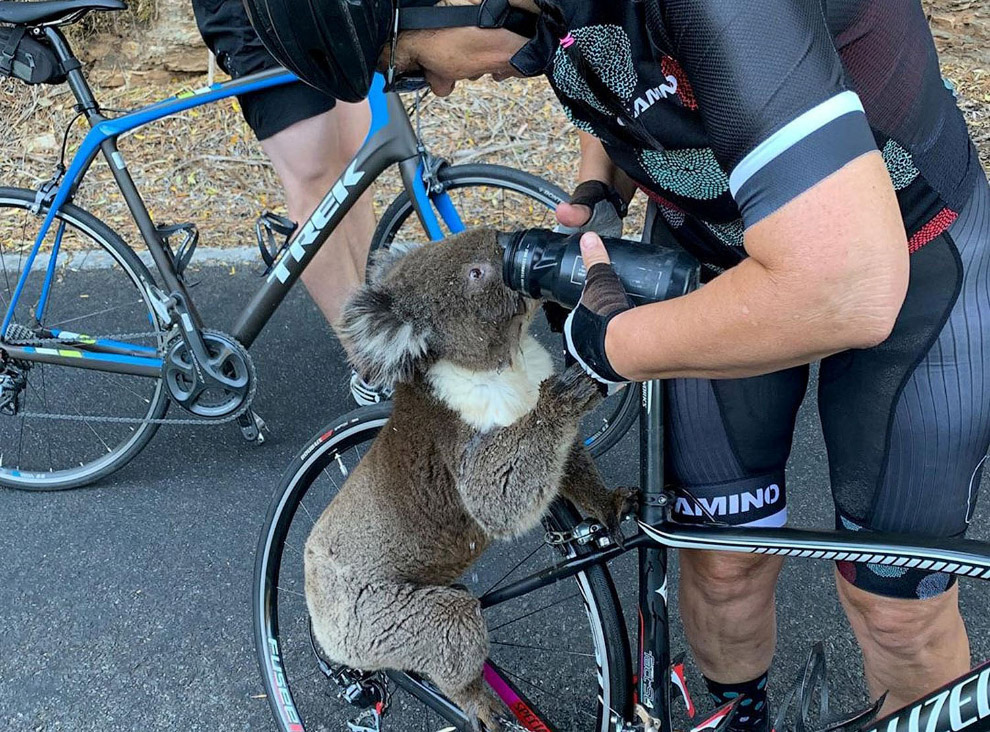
{"x":204,"y":165}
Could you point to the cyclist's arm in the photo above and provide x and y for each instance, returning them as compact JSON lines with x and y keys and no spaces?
{"x":595,"y":165}
{"x":828,"y":260}
{"x":595,"y":162}
{"x":827,"y":272}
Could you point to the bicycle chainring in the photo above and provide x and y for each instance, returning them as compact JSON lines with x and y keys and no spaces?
{"x":196,"y":391}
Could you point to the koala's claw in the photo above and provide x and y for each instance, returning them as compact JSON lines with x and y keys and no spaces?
{"x":625,"y":501}
{"x":509,"y":725}
{"x":576,"y":389}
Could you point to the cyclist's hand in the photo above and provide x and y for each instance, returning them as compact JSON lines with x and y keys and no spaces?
{"x":594,"y":206}
{"x":602,"y":299}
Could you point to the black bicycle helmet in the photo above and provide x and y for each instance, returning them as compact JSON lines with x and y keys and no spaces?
{"x":334,"y":45}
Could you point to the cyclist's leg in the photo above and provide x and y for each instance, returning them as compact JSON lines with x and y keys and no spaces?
{"x":728,"y":442}
{"x":308,"y":157}
{"x":309,"y":142}
{"x":907,"y":426}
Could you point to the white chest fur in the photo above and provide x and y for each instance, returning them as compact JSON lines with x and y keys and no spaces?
{"x":487,"y":399}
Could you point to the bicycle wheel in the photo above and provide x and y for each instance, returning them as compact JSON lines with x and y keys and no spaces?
{"x":536,"y":640}
{"x":100,"y":288}
{"x":507,"y":199}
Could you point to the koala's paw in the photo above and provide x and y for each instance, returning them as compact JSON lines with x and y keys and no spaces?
{"x":625,"y":501}
{"x":488,"y":714}
{"x":574,"y":390}
{"x":620,"y":503}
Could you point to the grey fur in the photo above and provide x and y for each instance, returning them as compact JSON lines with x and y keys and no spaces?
{"x":433,"y":492}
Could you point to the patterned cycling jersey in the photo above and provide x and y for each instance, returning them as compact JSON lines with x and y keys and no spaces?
{"x":752,"y":103}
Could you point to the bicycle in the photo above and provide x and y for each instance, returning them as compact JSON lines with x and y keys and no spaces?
{"x":76,"y":405}
{"x":613,"y":690}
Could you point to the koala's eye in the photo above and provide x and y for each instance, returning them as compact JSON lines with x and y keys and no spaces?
{"x":475,"y":273}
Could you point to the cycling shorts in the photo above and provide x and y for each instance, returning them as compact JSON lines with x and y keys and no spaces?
{"x":906,"y":423}
{"x":227,"y":32}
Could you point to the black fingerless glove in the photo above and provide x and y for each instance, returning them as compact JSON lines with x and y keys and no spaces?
{"x":592,"y":192}
{"x":607,"y":209}
{"x":602,"y":299}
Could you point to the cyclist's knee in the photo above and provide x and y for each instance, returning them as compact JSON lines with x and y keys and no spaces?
{"x":723,"y":579}
{"x":898,"y":626}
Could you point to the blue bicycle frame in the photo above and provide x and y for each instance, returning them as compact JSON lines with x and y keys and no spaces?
{"x":390,"y":141}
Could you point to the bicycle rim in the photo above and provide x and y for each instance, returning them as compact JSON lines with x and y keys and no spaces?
{"x":99,"y":288}
{"x":508,"y":199}
{"x":540,"y":643}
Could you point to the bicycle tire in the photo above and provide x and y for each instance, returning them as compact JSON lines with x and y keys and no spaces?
{"x":341,"y":436}
{"x":133,"y":441}
{"x":612,"y":420}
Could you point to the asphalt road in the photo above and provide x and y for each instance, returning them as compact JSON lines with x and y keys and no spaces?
{"x":125,"y":605}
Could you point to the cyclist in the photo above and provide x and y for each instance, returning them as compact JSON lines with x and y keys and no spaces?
{"x":310,"y":139}
{"x":819,"y":168}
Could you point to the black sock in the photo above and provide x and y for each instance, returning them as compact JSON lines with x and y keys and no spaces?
{"x":752,"y":714}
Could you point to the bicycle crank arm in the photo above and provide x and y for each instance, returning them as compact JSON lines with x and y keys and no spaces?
{"x":206,"y":374}
{"x":85,"y":359}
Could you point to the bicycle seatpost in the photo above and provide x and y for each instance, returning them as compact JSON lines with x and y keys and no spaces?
{"x":546,"y":265}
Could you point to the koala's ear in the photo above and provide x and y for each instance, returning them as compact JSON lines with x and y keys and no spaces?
{"x":385,"y":258}
{"x":384,"y":347}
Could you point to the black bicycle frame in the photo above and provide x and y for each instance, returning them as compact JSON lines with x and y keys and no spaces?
{"x":390,"y":141}
{"x":965,"y":700}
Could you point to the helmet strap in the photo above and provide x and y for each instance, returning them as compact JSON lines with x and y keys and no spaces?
{"x":489,"y":14}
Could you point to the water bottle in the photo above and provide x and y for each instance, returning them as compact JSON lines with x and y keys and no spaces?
{"x":548,"y":266}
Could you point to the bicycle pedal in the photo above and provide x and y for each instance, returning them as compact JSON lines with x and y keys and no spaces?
{"x":253,"y":428}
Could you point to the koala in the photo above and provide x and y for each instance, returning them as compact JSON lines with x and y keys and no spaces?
{"x":482,"y":438}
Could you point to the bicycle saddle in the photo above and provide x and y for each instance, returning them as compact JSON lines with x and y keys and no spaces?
{"x":51,"y":12}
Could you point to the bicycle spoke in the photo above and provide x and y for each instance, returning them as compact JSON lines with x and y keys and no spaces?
{"x":294,"y":548}
{"x":100,"y":301}
{"x":105,"y":311}
{"x":312,"y":521}
{"x":119,"y":384}
{"x":20,"y":434}
{"x":534,"y":612}
{"x":92,"y":429}
{"x":517,"y":566}
{"x":44,"y":400}
{"x":540,"y":690}
{"x":3,"y":263}
{"x":543,"y":649}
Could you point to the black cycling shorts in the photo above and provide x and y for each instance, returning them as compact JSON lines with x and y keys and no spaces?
{"x":227,"y":32}
{"x":906,"y":424}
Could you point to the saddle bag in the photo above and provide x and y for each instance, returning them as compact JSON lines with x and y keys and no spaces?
{"x":27,"y":59}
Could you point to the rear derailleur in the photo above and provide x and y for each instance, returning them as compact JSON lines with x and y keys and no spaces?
{"x":366,"y":690}
{"x":13,"y":379}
